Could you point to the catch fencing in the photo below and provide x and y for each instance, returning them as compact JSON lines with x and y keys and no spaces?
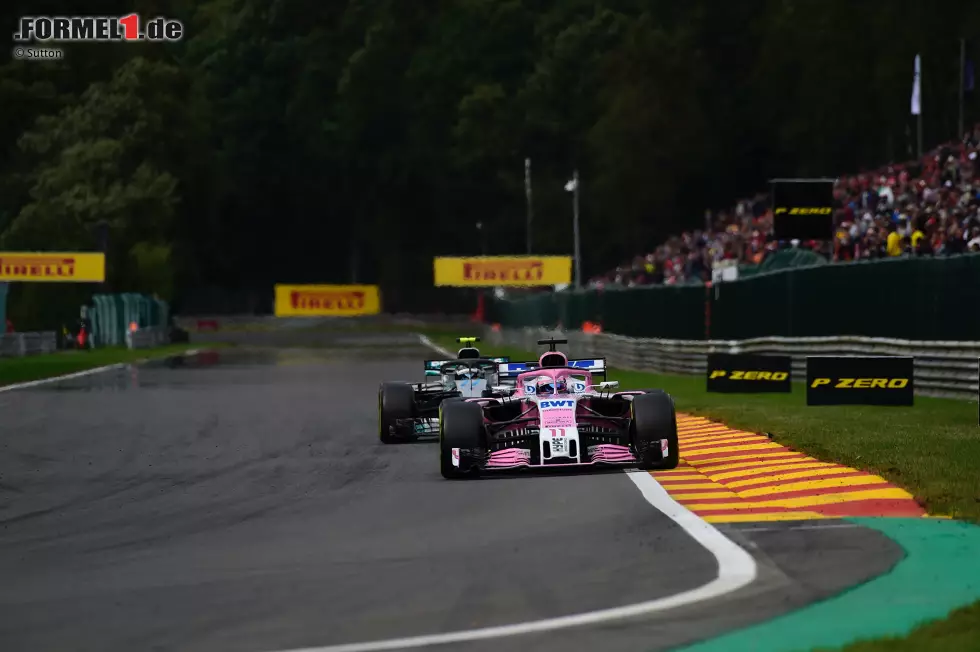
{"x":15,"y":345}
{"x":942,"y":368}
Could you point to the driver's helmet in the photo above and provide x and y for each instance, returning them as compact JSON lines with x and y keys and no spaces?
{"x":547,"y":386}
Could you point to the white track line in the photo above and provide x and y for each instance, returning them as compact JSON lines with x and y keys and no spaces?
{"x":54,"y":379}
{"x":736,"y":569}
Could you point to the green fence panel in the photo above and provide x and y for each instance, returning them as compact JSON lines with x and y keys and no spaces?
{"x":911,"y":298}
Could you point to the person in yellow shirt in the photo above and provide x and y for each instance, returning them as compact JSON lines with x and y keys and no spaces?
{"x":893,"y":244}
{"x":917,"y":236}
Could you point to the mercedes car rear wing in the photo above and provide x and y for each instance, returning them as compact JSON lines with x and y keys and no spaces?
{"x":436,"y":365}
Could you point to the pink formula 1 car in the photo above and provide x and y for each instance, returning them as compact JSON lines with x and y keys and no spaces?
{"x":555,"y":416}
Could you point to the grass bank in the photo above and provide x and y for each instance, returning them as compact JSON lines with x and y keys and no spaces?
{"x":48,"y":365}
{"x":931,"y":449}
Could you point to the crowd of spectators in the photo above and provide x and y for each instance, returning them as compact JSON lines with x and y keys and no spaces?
{"x":928,"y":207}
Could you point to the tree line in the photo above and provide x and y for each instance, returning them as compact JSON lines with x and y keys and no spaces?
{"x":300,"y":141}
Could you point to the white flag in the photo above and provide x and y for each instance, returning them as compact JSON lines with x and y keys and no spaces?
{"x":917,"y":87}
{"x":570,"y":186}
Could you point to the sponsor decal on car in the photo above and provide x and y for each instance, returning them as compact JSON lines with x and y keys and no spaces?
{"x":664,"y":448}
{"x":456,"y":457}
{"x":556,"y":404}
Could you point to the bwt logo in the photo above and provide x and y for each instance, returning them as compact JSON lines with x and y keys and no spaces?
{"x":548,"y":405}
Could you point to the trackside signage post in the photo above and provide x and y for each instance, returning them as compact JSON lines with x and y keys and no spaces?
{"x":742,"y":373}
{"x":872,"y":380}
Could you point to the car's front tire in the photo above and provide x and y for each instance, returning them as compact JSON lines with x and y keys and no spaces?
{"x":461,"y":435}
{"x":395,"y":401}
{"x":653,"y":420}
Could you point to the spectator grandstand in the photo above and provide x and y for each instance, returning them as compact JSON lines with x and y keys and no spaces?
{"x":926,"y":207}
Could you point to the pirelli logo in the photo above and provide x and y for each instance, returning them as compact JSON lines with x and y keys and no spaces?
{"x":52,"y":267}
{"x":860,"y":380}
{"x":738,"y":374}
{"x":745,"y":373}
{"x":861,"y":383}
{"x":327,"y":300}
{"x":34,"y":266}
{"x":531,"y":271}
{"x":803,"y":210}
{"x":492,"y":271}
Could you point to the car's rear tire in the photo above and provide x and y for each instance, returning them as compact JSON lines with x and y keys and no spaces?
{"x":395,"y":401}
{"x":653,"y":420}
{"x":460,"y":427}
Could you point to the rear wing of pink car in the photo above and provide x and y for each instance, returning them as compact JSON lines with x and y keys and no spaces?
{"x":511,"y":370}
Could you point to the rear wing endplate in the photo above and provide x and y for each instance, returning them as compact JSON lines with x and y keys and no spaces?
{"x":436,"y":365}
{"x":511,"y":370}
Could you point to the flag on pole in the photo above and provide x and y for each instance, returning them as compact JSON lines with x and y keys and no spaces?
{"x":917,"y":87}
{"x":571,"y":185}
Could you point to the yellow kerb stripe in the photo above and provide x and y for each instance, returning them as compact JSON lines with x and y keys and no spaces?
{"x":810,"y":501}
{"x":857,"y":481}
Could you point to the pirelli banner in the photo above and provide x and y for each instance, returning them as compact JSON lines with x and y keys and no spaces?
{"x":738,"y":373}
{"x":327,"y":300}
{"x":52,"y":267}
{"x":803,"y":209}
{"x":492,"y":271}
{"x":872,"y":380}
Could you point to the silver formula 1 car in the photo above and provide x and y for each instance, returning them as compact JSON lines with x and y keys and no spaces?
{"x":556,"y":415}
{"x":410,"y":411}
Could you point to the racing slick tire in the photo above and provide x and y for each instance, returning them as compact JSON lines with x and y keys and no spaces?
{"x":460,"y":428}
{"x":653,"y":420}
{"x":395,"y":401}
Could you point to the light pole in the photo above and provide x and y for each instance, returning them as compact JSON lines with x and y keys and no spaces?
{"x":573,"y":187}
{"x":483,"y":238}
{"x":530,"y":204}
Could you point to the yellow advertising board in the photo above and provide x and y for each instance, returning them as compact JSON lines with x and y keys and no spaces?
{"x":52,"y":267}
{"x":327,"y":300}
{"x":491,"y":271}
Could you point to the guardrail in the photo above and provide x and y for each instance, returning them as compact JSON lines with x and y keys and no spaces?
{"x":146,"y":338}
{"x":942,"y":369}
{"x":14,"y":345}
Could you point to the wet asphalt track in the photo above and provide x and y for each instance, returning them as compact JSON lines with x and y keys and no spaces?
{"x":246,"y":507}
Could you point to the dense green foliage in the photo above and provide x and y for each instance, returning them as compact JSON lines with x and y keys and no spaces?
{"x":297,"y":141}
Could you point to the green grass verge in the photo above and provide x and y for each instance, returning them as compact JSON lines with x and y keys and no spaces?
{"x":37,"y":367}
{"x":931,"y":449}
{"x":959,"y":631}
